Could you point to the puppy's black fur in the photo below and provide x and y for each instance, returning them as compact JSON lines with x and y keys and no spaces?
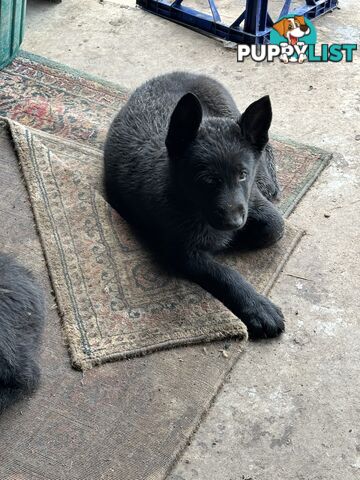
{"x":21,"y":325}
{"x":195,"y":177}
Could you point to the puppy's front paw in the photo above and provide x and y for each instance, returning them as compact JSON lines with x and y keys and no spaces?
{"x":264,"y":319}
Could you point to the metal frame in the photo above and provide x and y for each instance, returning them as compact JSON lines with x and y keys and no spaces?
{"x":255,"y":18}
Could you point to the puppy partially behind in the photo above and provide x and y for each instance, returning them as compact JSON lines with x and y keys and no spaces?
{"x":195,"y":177}
{"x":22,"y":314}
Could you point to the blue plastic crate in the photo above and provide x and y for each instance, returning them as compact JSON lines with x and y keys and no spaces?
{"x":252,"y":26}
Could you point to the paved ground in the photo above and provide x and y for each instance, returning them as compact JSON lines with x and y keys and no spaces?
{"x":291,"y":409}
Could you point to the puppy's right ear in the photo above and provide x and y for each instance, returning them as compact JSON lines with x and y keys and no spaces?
{"x":184,"y":124}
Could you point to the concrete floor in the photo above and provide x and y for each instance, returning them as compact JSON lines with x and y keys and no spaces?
{"x":291,"y":409}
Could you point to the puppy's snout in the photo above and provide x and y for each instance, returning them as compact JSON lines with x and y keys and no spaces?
{"x":304,"y":28}
{"x":238,"y":219}
{"x":240,"y":215}
{"x":233,"y":216}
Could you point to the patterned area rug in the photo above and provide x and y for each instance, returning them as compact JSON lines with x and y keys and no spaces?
{"x":114,"y":300}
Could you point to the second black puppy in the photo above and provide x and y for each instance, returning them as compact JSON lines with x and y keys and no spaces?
{"x":192,"y":174}
{"x":22,"y":313}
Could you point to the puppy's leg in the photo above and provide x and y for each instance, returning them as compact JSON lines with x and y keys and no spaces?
{"x":262,"y":317}
{"x":264,"y":226}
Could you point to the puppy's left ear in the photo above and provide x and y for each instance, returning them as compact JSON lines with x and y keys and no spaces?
{"x":255,"y":122}
{"x":281,"y":27}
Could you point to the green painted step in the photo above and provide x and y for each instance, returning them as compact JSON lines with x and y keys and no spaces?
{"x":12,"y":22}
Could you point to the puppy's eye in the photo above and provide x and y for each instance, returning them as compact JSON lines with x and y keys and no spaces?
{"x":213,"y":180}
{"x":297,"y":24}
{"x":242,"y":176}
{"x":290,"y":27}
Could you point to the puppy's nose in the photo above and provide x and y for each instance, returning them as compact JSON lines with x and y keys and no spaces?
{"x":239,"y":218}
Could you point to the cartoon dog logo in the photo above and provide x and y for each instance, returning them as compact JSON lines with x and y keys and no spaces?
{"x":292,"y":29}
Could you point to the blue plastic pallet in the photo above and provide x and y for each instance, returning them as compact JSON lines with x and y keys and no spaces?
{"x":252,"y":26}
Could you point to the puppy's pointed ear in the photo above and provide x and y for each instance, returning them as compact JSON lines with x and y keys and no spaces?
{"x":280,"y":27}
{"x":300,"y":19}
{"x":184,"y":124}
{"x":255,"y":122}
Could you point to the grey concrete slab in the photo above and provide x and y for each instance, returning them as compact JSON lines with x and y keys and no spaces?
{"x":290,"y":410}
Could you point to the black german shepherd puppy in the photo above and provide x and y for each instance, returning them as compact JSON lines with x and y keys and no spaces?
{"x":21,"y":325}
{"x":192,"y":175}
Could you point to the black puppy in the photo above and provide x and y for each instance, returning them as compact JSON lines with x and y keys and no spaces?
{"x":192,"y":174}
{"x":21,"y":324}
